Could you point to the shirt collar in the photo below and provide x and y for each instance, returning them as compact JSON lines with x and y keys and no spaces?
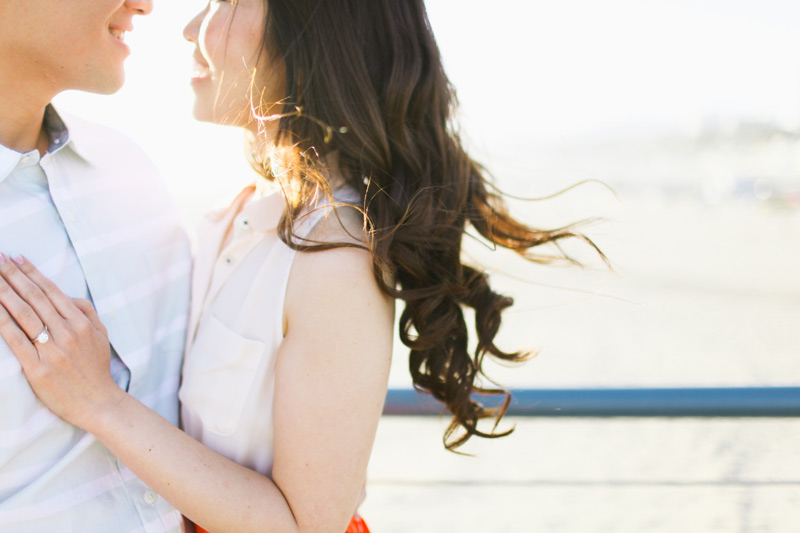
{"x":59,"y":139}
{"x":264,"y":210}
{"x":9,"y":159}
{"x":264,"y":214}
{"x":56,"y":130}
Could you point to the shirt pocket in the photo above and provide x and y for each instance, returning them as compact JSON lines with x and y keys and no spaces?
{"x":218,"y":374}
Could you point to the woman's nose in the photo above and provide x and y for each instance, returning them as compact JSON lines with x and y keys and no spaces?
{"x":192,"y":29}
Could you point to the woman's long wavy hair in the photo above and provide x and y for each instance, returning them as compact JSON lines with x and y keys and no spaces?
{"x":364,"y":78}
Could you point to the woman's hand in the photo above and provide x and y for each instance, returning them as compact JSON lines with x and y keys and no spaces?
{"x":60,"y":343}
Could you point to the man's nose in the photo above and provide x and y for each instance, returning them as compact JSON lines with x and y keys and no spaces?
{"x":140,"y":7}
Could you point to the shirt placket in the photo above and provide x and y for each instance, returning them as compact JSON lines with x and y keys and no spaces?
{"x":244,"y":238}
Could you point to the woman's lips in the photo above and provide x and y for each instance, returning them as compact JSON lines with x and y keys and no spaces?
{"x":200,"y":71}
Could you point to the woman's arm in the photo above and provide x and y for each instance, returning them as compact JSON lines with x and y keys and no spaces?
{"x":332,"y":374}
{"x":331,"y":379}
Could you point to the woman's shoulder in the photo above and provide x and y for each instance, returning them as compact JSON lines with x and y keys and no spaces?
{"x":335,"y":286}
{"x":350,"y":264}
{"x":341,"y":274}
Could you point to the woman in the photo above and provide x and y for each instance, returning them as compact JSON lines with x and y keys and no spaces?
{"x":293,"y":305}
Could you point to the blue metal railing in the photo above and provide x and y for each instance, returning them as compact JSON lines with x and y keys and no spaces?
{"x":630,"y":402}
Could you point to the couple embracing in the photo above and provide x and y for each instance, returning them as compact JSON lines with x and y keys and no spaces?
{"x":141,"y":394}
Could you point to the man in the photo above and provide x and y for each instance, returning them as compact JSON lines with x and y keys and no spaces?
{"x":84,"y":205}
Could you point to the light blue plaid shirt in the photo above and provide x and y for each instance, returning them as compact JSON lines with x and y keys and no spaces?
{"x":93,"y":215}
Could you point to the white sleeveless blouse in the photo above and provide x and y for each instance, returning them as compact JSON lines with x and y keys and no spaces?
{"x":236,"y":327}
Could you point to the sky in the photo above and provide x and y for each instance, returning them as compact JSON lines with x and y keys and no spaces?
{"x":525,"y":71}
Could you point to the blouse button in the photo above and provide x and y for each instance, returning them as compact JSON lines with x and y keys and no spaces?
{"x":150,"y":497}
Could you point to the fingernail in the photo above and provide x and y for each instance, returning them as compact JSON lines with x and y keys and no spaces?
{"x":2,"y":258}
{"x":18,"y":259}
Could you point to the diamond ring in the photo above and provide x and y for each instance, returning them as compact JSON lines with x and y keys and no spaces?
{"x":42,"y":337}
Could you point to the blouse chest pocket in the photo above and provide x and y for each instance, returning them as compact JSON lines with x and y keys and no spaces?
{"x":218,"y":375}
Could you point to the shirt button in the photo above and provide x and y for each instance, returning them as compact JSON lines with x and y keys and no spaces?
{"x":228,"y":260}
{"x":150,"y":497}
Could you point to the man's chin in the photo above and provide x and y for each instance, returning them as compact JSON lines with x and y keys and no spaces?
{"x":108,"y":84}
{"x":111,"y":87}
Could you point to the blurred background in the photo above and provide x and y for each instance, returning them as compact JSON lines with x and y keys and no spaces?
{"x":683,"y":119}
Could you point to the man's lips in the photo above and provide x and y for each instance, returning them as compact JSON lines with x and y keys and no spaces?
{"x":119,"y":32}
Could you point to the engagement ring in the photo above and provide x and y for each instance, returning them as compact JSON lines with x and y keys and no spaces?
{"x":42,"y":337}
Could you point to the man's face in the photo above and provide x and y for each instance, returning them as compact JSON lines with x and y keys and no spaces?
{"x":68,"y":44}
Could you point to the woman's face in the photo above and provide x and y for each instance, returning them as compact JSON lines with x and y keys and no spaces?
{"x":229,"y":79}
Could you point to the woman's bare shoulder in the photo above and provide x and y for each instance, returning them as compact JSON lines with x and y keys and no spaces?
{"x":325,"y":282}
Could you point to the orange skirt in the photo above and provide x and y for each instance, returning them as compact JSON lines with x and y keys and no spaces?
{"x":357,"y":525}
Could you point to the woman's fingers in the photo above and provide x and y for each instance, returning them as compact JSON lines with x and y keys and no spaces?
{"x":33,"y":279}
{"x":17,"y":340}
{"x":70,"y":371}
{"x":30,"y":320}
{"x":35,"y":302}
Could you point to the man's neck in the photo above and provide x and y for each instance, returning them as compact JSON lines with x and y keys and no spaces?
{"x":21,"y":115}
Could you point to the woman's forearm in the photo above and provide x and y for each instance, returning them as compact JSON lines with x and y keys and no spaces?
{"x":208,"y":488}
